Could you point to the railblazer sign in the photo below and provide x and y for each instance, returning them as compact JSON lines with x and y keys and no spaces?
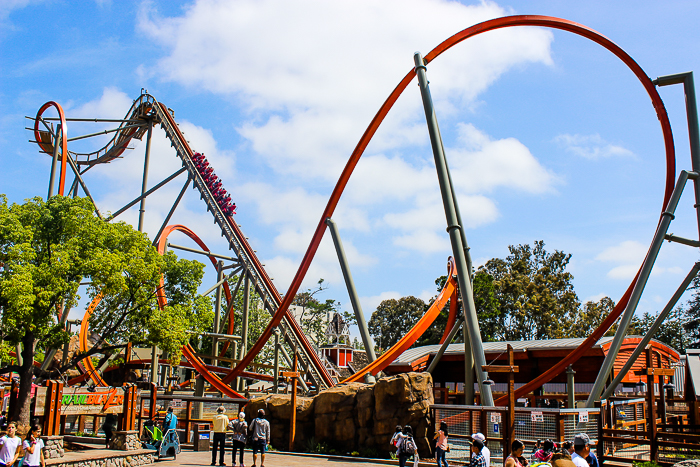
{"x":80,"y":401}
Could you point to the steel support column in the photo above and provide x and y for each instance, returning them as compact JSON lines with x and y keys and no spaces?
{"x":453,"y":228}
{"x":144,"y":183}
{"x":350,"y":284}
{"x":217,"y":309}
{"x":652,"y":330}
{"x":636,"y":294}
{"x":54,"y":161}
{"x":276,"y":377}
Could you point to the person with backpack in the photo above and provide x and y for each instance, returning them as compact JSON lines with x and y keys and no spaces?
{"x":240,"y":432}
{"x":407,"y":447}
{"x":10,"y":446}
{"x":260,"y":435}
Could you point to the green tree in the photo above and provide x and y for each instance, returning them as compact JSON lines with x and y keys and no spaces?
{"x":48,"y":248}
{"x":393,"y":319}
{"x":692,"y":315}
{"x":535,"y":294}
{"x":590,"y":316}
{"x":672,"y":332}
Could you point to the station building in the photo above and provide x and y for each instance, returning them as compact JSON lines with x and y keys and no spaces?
{"x":534,"y":358}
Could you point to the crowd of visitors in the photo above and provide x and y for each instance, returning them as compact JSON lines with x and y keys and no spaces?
{"x":214,"y":183}
{"x":257,"y":435}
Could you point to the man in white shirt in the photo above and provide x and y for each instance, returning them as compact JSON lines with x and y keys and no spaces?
{"x":485,"y":451}
{"x":581,"y":449}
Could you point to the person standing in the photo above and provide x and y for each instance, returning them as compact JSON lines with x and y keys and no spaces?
{"x":33,"y":448}
{"x":240,"y":431}
{"x":516,"y":458}
{"x":260,"y":430}
{"x":109,"y":426}
{"x":9,"y":452}
{"x":478,"y":459}
{"x":581,"y":450}
{"x":170,"y":424}
{"x":441,"y":446}
{"x":220,"y":427}
{"x":485,"y":451}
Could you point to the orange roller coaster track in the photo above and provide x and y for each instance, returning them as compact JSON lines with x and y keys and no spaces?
{"x":281,"y":314}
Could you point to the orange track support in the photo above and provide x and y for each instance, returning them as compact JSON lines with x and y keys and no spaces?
{"x":64,"y":141}
{"x":447,"y":292}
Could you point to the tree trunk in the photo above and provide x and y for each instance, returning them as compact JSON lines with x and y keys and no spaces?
{"x":26,"y":373}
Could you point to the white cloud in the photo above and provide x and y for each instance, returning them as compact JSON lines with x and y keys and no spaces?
{"x":312,"y":94}
{"x":630,"y":254}
{"x":482,"y":164}
{"x":591,"y":146}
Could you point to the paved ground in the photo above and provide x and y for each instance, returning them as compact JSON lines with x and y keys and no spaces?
{"x":272,"y":459}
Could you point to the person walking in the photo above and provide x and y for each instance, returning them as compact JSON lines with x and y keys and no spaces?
{"x":486,"y":452}
{"x":478,"y":459}
{"x":407,"y":446}
{"x":260,"y":431}
{"x":33,"y":448}
{"x":9,"y":452}
{"x":220,"y":426}
{"x":240,"y":432}
{"x":441,"y":446}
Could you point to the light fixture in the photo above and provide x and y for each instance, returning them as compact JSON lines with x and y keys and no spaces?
{"x":489,"y":382}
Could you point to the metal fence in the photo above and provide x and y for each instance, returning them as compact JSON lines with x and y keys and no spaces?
{"x":531,"y":424}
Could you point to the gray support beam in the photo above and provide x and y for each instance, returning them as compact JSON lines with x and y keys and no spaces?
{"x":144,"y":183}
{"x":172,"y":210}
{"x":453,"y":228}
{"x":570,"y":387}
{"x":202,"y":252}
{"x":691,"y":109}
{"x":350,"y":284}
{"x":154,"y":365}
{"x":443,"y":347}
{"x":54,"y":160}
{"x":245,"y":314}
{"x":638,"y":288}
{"x":652,"y":330}
{"x":141,"y":197}
{"x":217,"y":308}
{"x":468,"y":369}
{"x":276,"y":374}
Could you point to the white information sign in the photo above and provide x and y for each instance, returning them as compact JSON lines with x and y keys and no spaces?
{"x":583,"y":417}
{"x":537,"y":416}
{"x":495,"y":417}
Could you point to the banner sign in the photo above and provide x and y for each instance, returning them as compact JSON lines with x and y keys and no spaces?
{"x":80,"y":401}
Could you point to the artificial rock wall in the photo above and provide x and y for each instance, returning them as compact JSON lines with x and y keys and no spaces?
{"x":353,"y":416}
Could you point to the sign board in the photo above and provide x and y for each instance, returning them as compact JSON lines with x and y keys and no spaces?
{"x":583,"y":417}
{"x":80,"y":401}
{"x":495,"y":427}
{"x":176,"y":403}
{"x":495,"y":417}
{"x":536,"y":416}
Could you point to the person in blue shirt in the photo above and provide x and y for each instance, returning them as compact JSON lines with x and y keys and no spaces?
{"x":170,"y":423}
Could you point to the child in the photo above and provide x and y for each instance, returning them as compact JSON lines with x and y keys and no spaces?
{"x":33,"y":448}
{"x":441,"y":446}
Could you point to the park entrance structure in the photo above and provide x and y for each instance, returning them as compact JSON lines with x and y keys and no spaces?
{"x":146,"y":113}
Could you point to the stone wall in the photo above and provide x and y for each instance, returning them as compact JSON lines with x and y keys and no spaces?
{"x":125,"y":441}
{"x":53,"y":447}
{"x":132,"y":460}
{"x":353,"y":416}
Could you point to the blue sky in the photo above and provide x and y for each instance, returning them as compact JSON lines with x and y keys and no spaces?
{"x":548,"y":135}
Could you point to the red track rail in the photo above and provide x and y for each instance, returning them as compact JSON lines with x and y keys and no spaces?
{"x":494,"y":24}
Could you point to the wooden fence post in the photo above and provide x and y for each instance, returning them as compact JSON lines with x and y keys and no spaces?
{"x":52,"y":408}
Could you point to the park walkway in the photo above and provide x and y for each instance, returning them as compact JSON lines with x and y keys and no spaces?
{"x":276,"y":459}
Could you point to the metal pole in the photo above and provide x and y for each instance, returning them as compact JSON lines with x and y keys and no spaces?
{"x":172,"y":210}
{"x":691,"y":109}
{"x":144,"y":184}
{"x":468,"y":370}
{"x":217,"y":309}
{"x":154,"y":364}
{"x":661,"y":230}
{"x":54,"y":161}
{"x":444,"y":345}
{"x":276,"y":377}
{"x":570,"y":388}
{"x":453,"y":227}
{"x":354,"y":299}
{"x":652,"y":330}
{"x":244,"y":317}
